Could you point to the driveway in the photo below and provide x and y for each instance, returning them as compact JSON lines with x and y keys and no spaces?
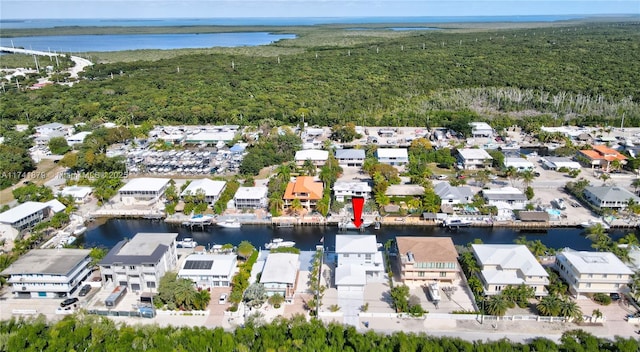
{"x":350,"y":303}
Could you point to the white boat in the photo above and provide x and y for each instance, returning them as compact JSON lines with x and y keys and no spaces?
{"x":434,"y":292}
{"x":278,"y":243}
{"x":79,"y":230}
{"x":593,"y":222}
{"x":558,"y":203}
{"x":230,"y":224}
{"x":510,"y":146}
{"x":349,"y":225}
{"x":200,"y":219}
{"x":456,"y":223}
{"x":187,"y":242}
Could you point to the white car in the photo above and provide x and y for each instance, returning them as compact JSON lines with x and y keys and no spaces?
{"x":222,"y":299}
{"x":442,"y":177}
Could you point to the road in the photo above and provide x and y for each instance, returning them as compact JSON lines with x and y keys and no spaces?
{"x":80,"y":63}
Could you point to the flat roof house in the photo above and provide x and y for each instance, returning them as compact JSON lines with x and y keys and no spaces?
{"x":392,"y":156}
{"x":280,"y":274}
{"x":143,"y":189}
{"x":612,"y":197}
{"x":474,"y":158}
{"x":48,"y":273}
{"x":251,"y":197}
{"x":317,"y":157}
{"x":209,"y":270}
{"x":141,"y":262}
{"x":427,"y":259}
{"x":350,"y":157}
{"x":504,"y":265}
{"x":592,"y":272}
{"x":77,"y":138}
{"x":80,"y":194}
{"x":345,"y":190}
{"x":25,"y":215}
{"x":359,"y":251}
{"x":602,"y":156}
{"x":210,"y":188}
{"x":520,"y":164}
{"x":305,"y":189}
{"x":506,"y":197}
{"x":481,"y":129}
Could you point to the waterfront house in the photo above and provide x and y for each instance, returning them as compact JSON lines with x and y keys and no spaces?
{"x":141,"y":262}
{"x":25,"y":215}
{"x":360,"y":251}
{"x":209,"y":270}
{"x":48,"y":273}
{"x":423,"y":260}
{"x":392,"y":156}
{"x":143,"y":189}
{"x":350,"y":157}
{"x":345,"y":190}
{"x":602,"y":157}
{"x":612,"y":197}
{"x":251,"y":197}
{"x":306,"y":189}
{"x":209,"y":188}
{"x":503,"y":265}
{"x":450,"y":195}
{"x":505,"y":197}
{"x":481,"y":130}
{"x":317,"y":157}
{"x":80,"y":194}
{"x":471,"y":159}
{"x":593,"y":272}
{"x":280,"y":274}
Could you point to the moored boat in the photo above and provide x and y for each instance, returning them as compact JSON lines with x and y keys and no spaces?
{"x":456,"y":223}
{"x":230,"y":224}
{"x":593,"y":222}
{"x":187,"y":242}
{"x":278,"y":243}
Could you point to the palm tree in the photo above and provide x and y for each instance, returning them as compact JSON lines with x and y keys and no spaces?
{"x":570,"y":309}
{"x":414,"y":204}
{"x":604,"y":177}
{"x":596,"y":314}
{"x":597,"y":234}
{"x":549,"y":305}
{"x":245,"y":248}
{"x":511,"y":173}
{"x":284,"y":172}
{"x":296,"y":206}
{"x":527,"y":177}
{"x":276,"y":300}
{"x":497,"y":305}
{"x":630,"y":239}
{"x":615,"y":165}
{"x":309,"y":168}
{"x":635,"y":285}
{"x":275,"y":205}
{"x":185,"y":294}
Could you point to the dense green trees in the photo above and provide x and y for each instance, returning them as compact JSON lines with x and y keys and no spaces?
{"x":274,"y":148}
{"x":94,"y":333}
{"x":174,"y":292}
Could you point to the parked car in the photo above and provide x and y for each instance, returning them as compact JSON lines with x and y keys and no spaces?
{"x":614,"y":296}
{"x":69,"y":301}
{"x":84,"y":290}
{"x":222,"y":299}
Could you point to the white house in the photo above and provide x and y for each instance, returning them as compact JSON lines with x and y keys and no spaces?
{"x":481,"y":129}
{"x":77,"y":138}
{"x":251,"y":198}
{"x":209,"y":270}
{"x":80,"y":194}
{"x":317,"y":157}
{"x":50,"y":128}
{"x":520,"y":164}
{"x":143,"y":189}
{"x":280,"y":274}
{"x":350,"y":157}
{"x":141,"y":262}
{"x":392,"y":156}
{"x":509,"y":197}
{"x":25,"y":215}
{"x":504,"y":265}
{"x":345,"y":190}
{"x":612,"y":197}
{"x":453,"y":195}
{"x":48,"y":273}
{"x":211,"y":189}
{"x":593,"y":272}
{"x":361,"y":251}
{"x":474,"y":158}
{"x":555,"y":163}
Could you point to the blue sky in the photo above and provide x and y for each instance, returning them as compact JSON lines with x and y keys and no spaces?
{"x":22,"y":9}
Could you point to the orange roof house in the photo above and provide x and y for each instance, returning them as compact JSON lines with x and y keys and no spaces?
{"x":304,"y":188}
{"x":602,"y":156}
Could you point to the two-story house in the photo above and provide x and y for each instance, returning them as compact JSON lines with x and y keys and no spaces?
{"x":612,"y":197}
{"x":317,"y":157}
{"x":481,"y":130}
{"x":345,"y":190}
{"x":503,"y":265}
{"x":359,"y":262}
{"x":280,"y":274}
{"x":251,"y":197}
{"x":210,"y":189}
{"x":143,"y":189}
{"x":427,"y":259}
{"x":209,"y":270}
{"x":602,"y":157}
{"x":471,"y":159}
{"x":392,"y":156}
{"x":141,"y":262}
{"x":505,"y":197}
{"x":48,"y":273}
{"x":592,"y":272}
{"x":305,"y":189}
{"x":350,"y":157}
{"x":451,"y":195}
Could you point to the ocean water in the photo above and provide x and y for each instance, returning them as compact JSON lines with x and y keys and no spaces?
{"x":270,"y":21}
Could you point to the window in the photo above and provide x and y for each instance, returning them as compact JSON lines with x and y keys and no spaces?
{"x":443,"y":274}
{"x":346,"y":255}
{"x":588,"y":285}
{"x":604,"y":276}
{"x":367,"y":256}
{"x":151,"y":284}
{"x":420,"y":273}
{"x":132,"y":267}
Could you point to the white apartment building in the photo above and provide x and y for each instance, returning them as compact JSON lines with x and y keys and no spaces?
{"x":592,"y":272}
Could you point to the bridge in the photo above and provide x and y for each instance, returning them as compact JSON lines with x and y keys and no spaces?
{"x":80,"y":63}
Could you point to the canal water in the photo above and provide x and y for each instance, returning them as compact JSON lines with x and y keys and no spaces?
{"x":110,"y":232}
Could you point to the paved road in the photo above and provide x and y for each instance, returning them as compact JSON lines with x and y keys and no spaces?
{"x":80,"y":63}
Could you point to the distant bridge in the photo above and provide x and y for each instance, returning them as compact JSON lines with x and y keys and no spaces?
{"x":80,"y":63}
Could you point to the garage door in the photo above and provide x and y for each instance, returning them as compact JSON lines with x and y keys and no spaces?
{"x":350,"y":288}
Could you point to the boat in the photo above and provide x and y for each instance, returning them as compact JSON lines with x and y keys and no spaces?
{"x":79,"y":230}
{"x":593,"y":222}
{"x":230,"y":224}
{"x":434,"y":292}
{"x":456,"y":223}
{"x":285,"y":225}
{"x":349,"y":225}
{"x":200,"y":219}
{"x":279,"y":243}
{"x":558,"y":203}
{"x":510,"y":146}
{"x":187,"y":242}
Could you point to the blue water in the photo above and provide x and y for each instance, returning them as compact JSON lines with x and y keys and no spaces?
{"x":307,"y":237}
{"x":119,"y":42}
{"x":274,"y":21}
